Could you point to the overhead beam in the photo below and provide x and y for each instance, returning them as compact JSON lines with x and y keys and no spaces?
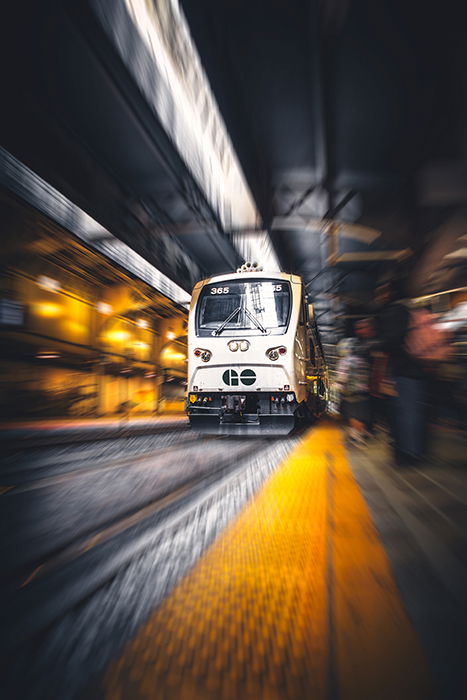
{"x":181,"y":98}
{"x":373,"y":256}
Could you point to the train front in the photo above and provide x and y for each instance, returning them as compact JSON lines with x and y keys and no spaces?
{"x":241,"y":354}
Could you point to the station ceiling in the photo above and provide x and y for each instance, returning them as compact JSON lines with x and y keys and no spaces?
{"x":346,"y":110}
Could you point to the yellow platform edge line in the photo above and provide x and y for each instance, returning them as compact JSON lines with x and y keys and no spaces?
{"x":294,"y":597}
{"x":377,"y":648}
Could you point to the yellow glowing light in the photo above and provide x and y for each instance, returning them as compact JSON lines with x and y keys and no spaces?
{"x":170,"y":335}
{"x":142,"y":323}
{"x":48,"y":283}
{"x":76,"y":328}
{"x":104,"y":308}
{"x":117,"y":336}
{"x":47,"y":309}
{"x":139,"y":344}
{"x":169,"y":354}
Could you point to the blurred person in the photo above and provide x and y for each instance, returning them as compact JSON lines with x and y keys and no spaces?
{"x":352,"y":378}
{"x":454,"y":372}
{"x":366,"y":333}
{"x":407,"y":407}
{"x":413,"y":346}
{"x":381,"y":385}
{"x":342,"y":351}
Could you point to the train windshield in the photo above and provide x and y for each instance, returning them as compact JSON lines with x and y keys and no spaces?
{"x":253,"y":307}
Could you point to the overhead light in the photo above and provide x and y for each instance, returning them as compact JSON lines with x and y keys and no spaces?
{"x":459,"y":253}
{"x":142,"y":323}
{"x":47,"y":309}
{"x":47,"y":355}
{"x":48,"y":283}
{"x":170,"y":335}
{"x":117,"y":336}
{"x":208,"y":153}
{"x":104,"y":308}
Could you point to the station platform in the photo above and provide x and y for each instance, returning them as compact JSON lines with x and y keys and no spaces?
{"x":66,"y":423}
{"x":303,"y":596}
{"x":73,"y":430}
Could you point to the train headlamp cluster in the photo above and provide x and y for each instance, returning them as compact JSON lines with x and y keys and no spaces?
{"x":195,"y":398}
{"x":273,"y":353}
{"x":250,"y":267}
{"x":203,"y":353}
{"x":283,"y":398}
{"x":241,"y":345}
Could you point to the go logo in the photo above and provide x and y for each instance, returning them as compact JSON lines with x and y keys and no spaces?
{"x":247,"y":377}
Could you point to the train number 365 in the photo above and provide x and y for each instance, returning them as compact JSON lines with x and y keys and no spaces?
{"x":220,"y":290}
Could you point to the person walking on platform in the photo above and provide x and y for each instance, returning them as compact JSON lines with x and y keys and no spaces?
{"x":409,"y":403}
{"x":352,"y":378}
{"x":365,"y":332}
{"x":413,"y":345}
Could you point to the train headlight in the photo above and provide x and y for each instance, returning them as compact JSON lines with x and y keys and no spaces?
{"x":204,"y":354}
{"x":290,"y":398}
{"x":233,"y":345}
{"x":193,"y":398}
{"x":244,"y":345}
{"x":273,"y":353}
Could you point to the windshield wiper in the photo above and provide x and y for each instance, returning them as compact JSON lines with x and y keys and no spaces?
{"x":254,"y":320}
{"x":219,"y":330}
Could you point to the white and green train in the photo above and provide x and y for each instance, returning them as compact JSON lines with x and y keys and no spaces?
{"x":255,"y":363}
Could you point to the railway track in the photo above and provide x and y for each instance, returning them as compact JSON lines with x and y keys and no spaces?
{"x":53,"y":585}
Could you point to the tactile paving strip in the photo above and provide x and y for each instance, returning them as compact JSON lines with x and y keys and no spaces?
{"x":295,"y":600}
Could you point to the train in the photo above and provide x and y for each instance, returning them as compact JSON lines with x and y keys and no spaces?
{"x":255,"y":361}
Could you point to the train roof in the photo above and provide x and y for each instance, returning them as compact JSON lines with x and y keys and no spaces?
{"x":295,"y":279}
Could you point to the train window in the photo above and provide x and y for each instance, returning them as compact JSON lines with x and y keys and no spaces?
{"x":312,"y":350}
{"x":248,"y":307}
{"x":303,"y":313}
